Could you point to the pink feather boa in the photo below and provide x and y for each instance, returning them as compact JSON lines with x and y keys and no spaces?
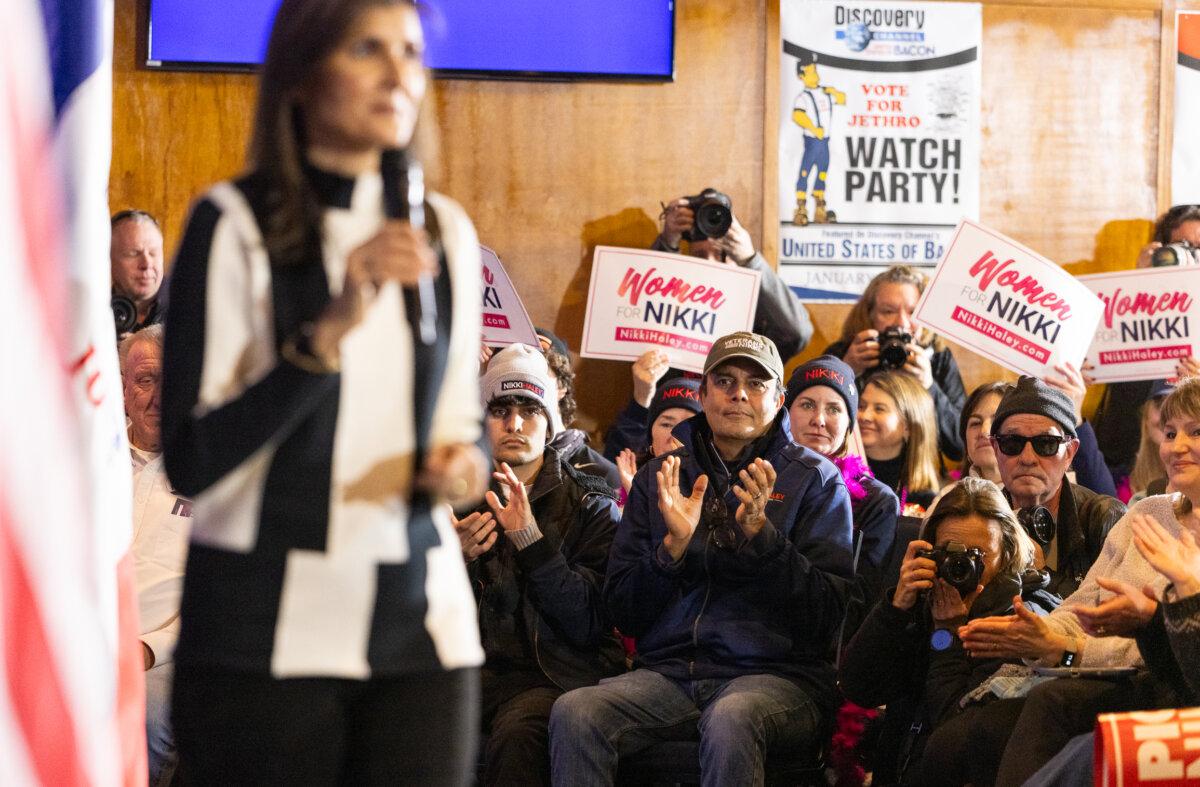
{"x":854,"y":468}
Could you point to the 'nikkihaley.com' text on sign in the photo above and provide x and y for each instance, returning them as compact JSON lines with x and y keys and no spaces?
{"x":1008,"y":303}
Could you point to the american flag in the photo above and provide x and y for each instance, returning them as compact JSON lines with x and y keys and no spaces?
{"x":71,"y":696}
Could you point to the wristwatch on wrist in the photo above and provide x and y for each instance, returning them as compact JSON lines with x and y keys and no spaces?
{"x":941,"y":640}
{"x":1068,"y":658}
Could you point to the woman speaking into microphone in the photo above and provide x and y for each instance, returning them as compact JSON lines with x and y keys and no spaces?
{"x":320,"y":403}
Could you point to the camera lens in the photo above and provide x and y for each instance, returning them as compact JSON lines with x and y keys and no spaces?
{"x":124,"y":313}
{"x":714,"y":219}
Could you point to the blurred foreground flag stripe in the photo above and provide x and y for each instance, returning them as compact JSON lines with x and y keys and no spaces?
{"x":64,"y":466}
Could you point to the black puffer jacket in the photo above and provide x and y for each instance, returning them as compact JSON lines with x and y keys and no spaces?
{"x":890,"y":662}
{"x":542,"y":606}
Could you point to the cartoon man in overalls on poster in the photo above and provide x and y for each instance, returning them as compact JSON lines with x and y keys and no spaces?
{"x":813,"y":112}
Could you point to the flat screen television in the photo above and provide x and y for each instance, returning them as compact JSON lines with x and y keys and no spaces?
{"x":482,"y":39}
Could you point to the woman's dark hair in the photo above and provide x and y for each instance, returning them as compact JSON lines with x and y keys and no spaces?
{"x":1172,"y":219}
{"x":304,"y":34}
{"x":978,"y":395}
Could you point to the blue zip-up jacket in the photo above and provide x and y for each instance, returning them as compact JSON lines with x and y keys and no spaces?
{"x":771,"y":606}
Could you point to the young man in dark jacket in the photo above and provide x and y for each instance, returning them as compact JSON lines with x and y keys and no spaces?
{"x":536,"y":561}
{"x":730,"y":568}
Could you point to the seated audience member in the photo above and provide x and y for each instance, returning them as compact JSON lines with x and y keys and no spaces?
{"x":730,"y":568}
{"x":1115,"y":430}
{"x":136,"y":254}
{"x":975,"y":429}
{"x":571,"y":443}
{"x":676,"y":400}
{"x":1096,"y":624}
{"x":906,"y":656}
{"x":1149,"y":475}
{"x":899,"y":435}
{"x":161,"y":523}
{"x":1034,"y":438}
{"x":888,"y":303}
{"x":1169,"y":643}
{"x":781,"y":317}
{"x":628,"y":430}
{"x":822,"y":403}
{"x":536,"y":560}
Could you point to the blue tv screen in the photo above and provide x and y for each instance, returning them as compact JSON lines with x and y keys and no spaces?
{"x":530,"y":39}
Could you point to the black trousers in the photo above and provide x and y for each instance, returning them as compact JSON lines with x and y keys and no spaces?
{"x":1006,"y":741}
{"x":233,"y":728}
{"x":517,"y":748}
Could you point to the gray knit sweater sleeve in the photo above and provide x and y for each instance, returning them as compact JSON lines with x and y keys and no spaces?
{"x":1119,"y":559}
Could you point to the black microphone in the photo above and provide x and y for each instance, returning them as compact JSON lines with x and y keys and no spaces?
{"x":404,"y":199}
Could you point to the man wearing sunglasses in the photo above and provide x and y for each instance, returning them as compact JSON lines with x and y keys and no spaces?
{"x":730,"y":569}
{"x":1034,"y":437}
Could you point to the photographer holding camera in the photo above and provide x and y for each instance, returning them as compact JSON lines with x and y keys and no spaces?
{"x":707,"y":222}
{"x":879,"y":335}
{"x":906,"y":653}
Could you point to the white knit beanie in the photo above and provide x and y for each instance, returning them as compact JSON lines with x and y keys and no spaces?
{"x":521,"y":370}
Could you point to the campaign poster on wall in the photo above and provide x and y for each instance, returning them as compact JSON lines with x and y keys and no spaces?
{"x":1148,"y":324}
{"x":879,"y":138}
{"x":1010,"y":304}
{"x":1185,"y":153}
{"x":651,"y":300}
{"x":505,"y":320}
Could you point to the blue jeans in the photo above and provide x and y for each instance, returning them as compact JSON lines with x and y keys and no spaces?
{"x":816,"y":156}
{"x":160,"y":742}
{"x":739,"y":719}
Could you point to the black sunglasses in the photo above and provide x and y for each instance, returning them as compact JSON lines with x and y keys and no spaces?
{"x":1043,"y":444}
{"x":715,"y":514}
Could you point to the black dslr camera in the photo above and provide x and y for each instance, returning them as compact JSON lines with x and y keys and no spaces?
{"x":714,"y":215}
{"x":124,"y":313}
{"x":960,"y":566}
{"x":893,"y":347}
{"x":1181,"y":253}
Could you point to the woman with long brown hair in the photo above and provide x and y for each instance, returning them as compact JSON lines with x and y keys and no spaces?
{"x":899,"y":435}
{"x":320,"y":405}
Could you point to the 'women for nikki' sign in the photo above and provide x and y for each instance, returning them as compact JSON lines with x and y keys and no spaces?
{"x":1008,"y":303}
{"x":651,"y":300}
{"x":1148,"y":324}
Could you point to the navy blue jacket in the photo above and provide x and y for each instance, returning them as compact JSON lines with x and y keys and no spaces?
{"x":773,"y":605}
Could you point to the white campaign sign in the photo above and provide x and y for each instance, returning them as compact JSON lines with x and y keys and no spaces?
{"x":652,"y":300}
{"x":879,"y":137}
{"x":1147,"y":323}
{"x":1007,"y":303}
{"x":505,"y":320}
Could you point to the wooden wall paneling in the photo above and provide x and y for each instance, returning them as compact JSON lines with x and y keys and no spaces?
{"x":548,"y":171}
{"x":174,"y":133}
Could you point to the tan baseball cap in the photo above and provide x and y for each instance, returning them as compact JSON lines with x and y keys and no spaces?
{"x":744,"y":344}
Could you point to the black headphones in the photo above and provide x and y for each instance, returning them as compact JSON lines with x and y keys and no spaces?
{"x":1038,"y":523}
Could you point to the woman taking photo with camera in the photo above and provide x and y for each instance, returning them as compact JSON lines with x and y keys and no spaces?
{"x":879,"y":335}
{"x":972,"y":559}
{"x":321,"y":406}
